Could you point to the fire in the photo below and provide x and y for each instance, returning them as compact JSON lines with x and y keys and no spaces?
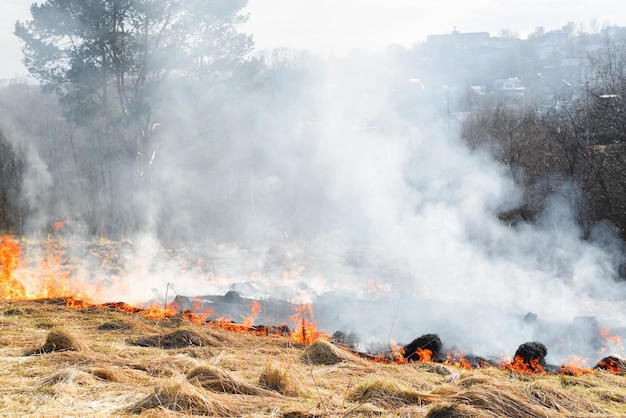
{"x":255,"y":310}
{"x":305,"y":331}
{"x":457,"y":359}
{"x":10,"y":288}
{"x":51,"y":278}
{"x":611,"y":364}
{"x":397,"y":353}
{"x":248,"y":321}
{"x":198,"y":314}
{"x":377,"y":287}
{"x":614,"y":340}
{"x":155,"y":311}
{"x":424,"y":354}
{"x":519,"y":365}
{"x":576,"y":366}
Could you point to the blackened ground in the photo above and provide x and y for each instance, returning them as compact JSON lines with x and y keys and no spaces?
{"x":236,"y":307}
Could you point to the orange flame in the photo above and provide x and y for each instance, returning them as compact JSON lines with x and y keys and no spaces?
{"x":576,"y":366}
{"x":10,"y":288}
{"x":457,"y":359}
{"x":50,"y":279}
{"x":425,"y":354}
{"x":397,"y":353}
{"x":519,"y":365}
{"x":377,"y":287}
{"x":613,"y":340}
{"x":611,"y":364}
{"x":305,"y":331}
{"x":255,"y":310}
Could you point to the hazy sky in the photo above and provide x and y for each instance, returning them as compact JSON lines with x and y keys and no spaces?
{"x":339,"y":25}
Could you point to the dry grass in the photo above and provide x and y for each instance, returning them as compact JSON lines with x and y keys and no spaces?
{"x":218,"y":380}
{"x":85,"y":369}
{"x":176,"y":339}
{"x":323,"y":352}
{"x":389,"y":394}
{"x":58,"y":340}
{"x":278,"y":380}
{"x":184,"y":397}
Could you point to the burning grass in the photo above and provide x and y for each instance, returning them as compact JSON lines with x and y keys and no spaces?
{"x":100,"y":374}
{"x":114,"y":359}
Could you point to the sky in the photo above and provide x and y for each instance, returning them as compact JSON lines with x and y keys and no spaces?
{"x":336,"y":26}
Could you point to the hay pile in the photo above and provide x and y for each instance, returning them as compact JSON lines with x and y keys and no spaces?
{"x":185,"y":398}
{"x":388,"y":394}
{"x":177,"y":339}
{"x":58,"y":340}
{"x":218,"y":380}
{"x":323,"y":352}
{"x":114,"y":326}
{"x":278,"y":380}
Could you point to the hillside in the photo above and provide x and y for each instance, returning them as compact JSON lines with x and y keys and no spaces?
{"x":100,"y":361}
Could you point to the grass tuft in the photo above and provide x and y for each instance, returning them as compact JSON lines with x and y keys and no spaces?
{"x":185,"y":398}
{"x":388,"y":394}
{"x":177,"y":339}
{"x":278,"y":380}
{"x":218,"y":380}
{"x":58,"y":340}
{"x":324,"y":352}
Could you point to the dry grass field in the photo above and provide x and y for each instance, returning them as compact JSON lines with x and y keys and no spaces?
{"x":100,"y":361}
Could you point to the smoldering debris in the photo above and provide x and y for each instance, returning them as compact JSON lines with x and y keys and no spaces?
{"x":428,"y":343}
{"x":612,"y":364}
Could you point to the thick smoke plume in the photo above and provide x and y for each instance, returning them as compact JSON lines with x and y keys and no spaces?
{"x":318,"y":187}
{"x":385,"y":219}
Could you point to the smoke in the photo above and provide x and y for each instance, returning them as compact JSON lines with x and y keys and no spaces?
{"x":386,"y":220}
{"x":29,"y":168}
{"x":308,"y":182}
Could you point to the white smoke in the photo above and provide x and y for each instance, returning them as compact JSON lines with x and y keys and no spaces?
{"x":349,"y":194}
{"x":418,"y":202}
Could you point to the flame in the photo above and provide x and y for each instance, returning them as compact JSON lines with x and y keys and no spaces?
{"x":576,"y":366}
{"x":58,"y":225}
{"x":377,"y":287}
{"x":255,"y":310}
{"x":614,"y":340}
{"x":611,"y":364}
{"x":50,"y":279}
{"x":305,"y":331}
{"x":425,"y":354}
{"x":10,"y":287}
{"x":457,"y":359}
{"x":397,"y":353}
{"x":247,"y":324}
{"x":519,"y":365}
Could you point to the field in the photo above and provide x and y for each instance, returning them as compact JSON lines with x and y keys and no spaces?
{"x":100,"y":361}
